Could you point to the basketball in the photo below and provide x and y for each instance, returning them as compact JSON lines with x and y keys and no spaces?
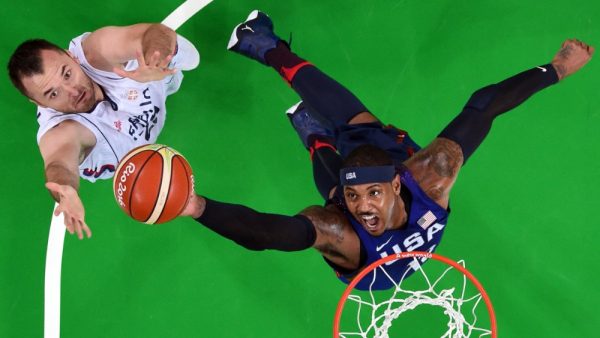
{"x":153,"y":183}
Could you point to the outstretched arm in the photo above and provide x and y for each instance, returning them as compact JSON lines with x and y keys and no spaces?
{"x":326,"y":230}
{"x":153,"y":45}
{"x":62,"y":148}
{"x":252,"y":229}
{"x":472,"y":125}
{"x":436,"y":166}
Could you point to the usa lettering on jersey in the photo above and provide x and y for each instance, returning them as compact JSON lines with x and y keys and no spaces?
{"x":415,"y":241}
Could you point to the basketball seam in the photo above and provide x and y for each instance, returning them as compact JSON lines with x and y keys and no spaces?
{"x":187,"y":174}
{"x":154,"y":152}
{"x":168,"y":191}
{"x":124,"y":160}
{"x":162,"y":174}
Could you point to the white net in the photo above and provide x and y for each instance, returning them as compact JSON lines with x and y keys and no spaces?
{"x":456,"y":296}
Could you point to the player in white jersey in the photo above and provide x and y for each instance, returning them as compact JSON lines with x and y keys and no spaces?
{"x":98,"y":100}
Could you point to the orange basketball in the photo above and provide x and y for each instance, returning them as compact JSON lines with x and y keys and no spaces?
{"x":153,"y":183}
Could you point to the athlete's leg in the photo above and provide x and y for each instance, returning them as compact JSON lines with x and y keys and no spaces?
{"x":321,"y":94}
{"x":318,"y":138}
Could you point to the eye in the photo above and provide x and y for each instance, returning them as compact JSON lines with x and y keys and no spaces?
{"x":375,"y":193}
{"x":68,"y":74}
{"x":351,"y":196}
{"x":54,"y":94}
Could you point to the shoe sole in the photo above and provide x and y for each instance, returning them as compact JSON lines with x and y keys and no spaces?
{"x":234,"y":39}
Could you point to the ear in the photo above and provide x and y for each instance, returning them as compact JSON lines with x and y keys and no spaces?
{"x":36,"y":103}
{"x":396,"y":185}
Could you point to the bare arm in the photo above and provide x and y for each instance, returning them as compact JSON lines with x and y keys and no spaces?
{"x":335,"y":240}
{"x":110,"y":48}
{"x":63,"y":148}
{"x":436,"y":167}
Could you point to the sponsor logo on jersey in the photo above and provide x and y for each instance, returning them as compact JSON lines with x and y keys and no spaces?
{"x":379,"y":247}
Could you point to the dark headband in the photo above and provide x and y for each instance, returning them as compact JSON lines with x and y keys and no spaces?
{"x":362,"y":175}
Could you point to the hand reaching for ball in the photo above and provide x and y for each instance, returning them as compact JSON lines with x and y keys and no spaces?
{"x":69,"y":204}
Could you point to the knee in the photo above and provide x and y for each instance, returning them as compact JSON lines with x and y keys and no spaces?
{"x":363,"y":117}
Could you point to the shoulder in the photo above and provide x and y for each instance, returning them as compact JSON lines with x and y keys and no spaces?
{"x":436,"y":167}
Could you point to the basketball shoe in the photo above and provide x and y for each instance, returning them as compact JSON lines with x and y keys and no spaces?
{"x":307,"y":125}
{"x":254,"y":37}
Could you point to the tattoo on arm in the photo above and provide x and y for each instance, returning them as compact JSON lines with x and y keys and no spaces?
{"x":444,"y":156}
{"x":560,"y":70}
{"x":565,"y":51}
{"x":436,"y":167}
{"x":330,"y":230}
{"x":563,"y":54}
{"x":329,"y":251}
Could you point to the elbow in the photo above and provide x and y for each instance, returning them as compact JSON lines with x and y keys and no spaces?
{"x":481,"y":99}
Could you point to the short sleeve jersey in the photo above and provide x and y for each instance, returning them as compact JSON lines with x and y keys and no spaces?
{"x":423,"y":232}
{"x":132,"y":114}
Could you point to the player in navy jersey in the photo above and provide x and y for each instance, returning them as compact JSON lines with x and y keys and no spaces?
{"x":384,"y":193}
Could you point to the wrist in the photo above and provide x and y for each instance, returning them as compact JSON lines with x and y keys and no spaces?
{"x":198,"y":205}
{"x":560,"y":69}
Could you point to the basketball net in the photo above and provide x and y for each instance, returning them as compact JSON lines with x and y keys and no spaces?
{"x":372,"y":312}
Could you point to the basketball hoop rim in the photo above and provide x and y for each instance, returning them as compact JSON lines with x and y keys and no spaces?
{"x":413,"y":254}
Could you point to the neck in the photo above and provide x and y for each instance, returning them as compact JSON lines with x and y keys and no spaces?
{"x":98,"y":93}
{"x":400,"y":216}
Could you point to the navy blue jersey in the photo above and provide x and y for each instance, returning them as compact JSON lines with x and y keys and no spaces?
{"x":423,"y":232}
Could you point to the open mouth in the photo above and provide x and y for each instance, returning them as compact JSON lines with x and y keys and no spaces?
{"x":370,"y":221}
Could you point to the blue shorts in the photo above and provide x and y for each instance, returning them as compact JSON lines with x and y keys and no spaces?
{"x":395,"y":141}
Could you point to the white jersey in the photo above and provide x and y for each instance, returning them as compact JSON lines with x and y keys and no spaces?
{"x":132,"y":113}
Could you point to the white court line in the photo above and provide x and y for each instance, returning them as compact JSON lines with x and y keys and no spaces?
{"x":56,"y":237}
{"x":185,"y":11}
{"x":52,"y":279}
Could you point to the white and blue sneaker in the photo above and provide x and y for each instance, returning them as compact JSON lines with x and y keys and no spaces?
{"x":254,"y":37}
{"x":306,"y":125}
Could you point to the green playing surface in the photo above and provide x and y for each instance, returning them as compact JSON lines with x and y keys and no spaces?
{"x":523,"y":207}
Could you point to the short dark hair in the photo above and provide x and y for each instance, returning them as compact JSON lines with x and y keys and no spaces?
{"x":367,"y":155}
{"x":26,"y":61}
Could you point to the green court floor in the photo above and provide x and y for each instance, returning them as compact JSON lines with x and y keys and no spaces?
{"x":523,"y":209}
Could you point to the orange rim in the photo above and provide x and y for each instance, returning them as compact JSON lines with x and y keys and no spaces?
{"x":414,"y":254}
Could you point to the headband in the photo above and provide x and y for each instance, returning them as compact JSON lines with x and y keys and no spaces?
{"x":362,"y":175}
